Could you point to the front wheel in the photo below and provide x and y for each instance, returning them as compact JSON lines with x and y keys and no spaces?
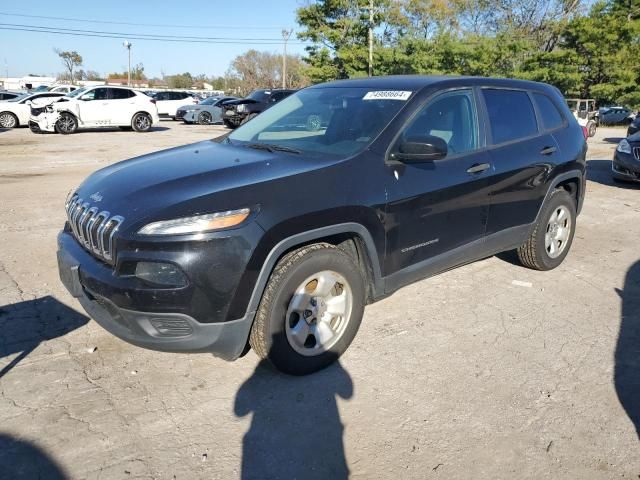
{"x":204,"y":118}
{"x":310,"y":311}
{"x":552,"y":236}
{"x":66,"y":124}
{"x":141,"y":122}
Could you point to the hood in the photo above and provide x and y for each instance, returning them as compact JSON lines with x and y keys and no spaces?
{"x":239,"y":102}
{"x":188,"y":180}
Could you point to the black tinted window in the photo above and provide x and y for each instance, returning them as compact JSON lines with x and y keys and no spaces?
{"x":451,"y":117}
{"x":121,"y":93}
{"x":101,"y":94}
{"x":551,"y":117}
{"x":511,"y":114}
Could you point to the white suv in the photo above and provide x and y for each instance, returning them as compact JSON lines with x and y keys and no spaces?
{"x":92,"y":107}
{"x":169,"y":102}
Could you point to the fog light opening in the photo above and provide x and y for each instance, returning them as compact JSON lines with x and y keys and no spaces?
{"x":165,"y":274}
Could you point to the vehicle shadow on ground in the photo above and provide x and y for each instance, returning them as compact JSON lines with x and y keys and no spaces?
{"x":615,"y":140}
{"x":25,"y":325}
{"x":599,"y":171}
{"x":20,"y":460}
{"x":627,"y":356}
{"x":116,"y":129}
{"x":296,"y":430}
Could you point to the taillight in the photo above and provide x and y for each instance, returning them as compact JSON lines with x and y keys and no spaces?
{"x":585,"y":132}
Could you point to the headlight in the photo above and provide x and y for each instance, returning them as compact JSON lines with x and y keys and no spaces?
{"x":241,"y":108}
{"x":624,"y":147}
{"x":196,"y":224}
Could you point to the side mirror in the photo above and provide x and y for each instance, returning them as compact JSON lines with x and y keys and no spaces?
{"x":84,"y":98}
{"x":424,"y":148}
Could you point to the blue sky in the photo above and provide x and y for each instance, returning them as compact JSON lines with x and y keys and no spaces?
{"x":31,"y":52}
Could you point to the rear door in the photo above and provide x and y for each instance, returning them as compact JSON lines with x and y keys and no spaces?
{"x":121,"y":106}
{"x":523,"y":154}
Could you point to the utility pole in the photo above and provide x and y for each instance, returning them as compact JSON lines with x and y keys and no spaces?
{"x":285,"y":36}
{"x":371,"y":38}
{"x":127,"y":45}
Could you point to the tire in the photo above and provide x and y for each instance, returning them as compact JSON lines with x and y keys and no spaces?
{"x":279,"y":328}
{"x":591,"y":128}
{"x":229,"y":124}
{"x":248,"y":118}
{"x":8,"y":120}
{"x":205,"y":118}
{"x":34,"y":127}
{"x":544,"y":250}
{"x":141,"y":122}
{"x":66,"y":124}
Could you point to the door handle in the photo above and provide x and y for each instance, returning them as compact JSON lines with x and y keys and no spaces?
{"x":478,"y":167}
{"x":548,"y":150}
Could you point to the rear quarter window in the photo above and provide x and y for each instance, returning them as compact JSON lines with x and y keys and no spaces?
{"x":549,"y":113}
{"x":511,"y":114}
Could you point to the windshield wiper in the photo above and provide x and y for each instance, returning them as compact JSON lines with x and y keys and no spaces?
{"x":270,"y":147}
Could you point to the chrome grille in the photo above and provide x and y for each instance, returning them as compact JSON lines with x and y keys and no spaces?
{"x":93,"y":229}
{"x":636,"y":152}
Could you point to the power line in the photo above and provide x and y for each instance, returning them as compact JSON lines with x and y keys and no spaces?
{"x":137,"y":36}
{"x":164,"y":25}
{"x":143,"y":35}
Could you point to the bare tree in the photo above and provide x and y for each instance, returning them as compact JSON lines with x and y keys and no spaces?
{"x":70,"y":59}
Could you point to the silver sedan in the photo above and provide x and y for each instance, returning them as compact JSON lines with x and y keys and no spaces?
{"x":206,"y":112}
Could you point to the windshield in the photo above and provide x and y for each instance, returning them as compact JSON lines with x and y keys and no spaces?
{"x":77,"y":92}
{"x":334,"y":121}
{"x":259,"y":95}
{"x":209,"y":101}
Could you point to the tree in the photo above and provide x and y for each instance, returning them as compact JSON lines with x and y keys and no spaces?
{"x":70,"y":59}
{"x":137,"y":73}
{"x":183,"y":80}
{"x":254,"y":69}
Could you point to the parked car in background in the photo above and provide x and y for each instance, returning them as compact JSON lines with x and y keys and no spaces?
{"x":626,"y":159}
{"x":634,"y":127}
{"x":206,"y":112}
{"x":276,"y":238}
{"x":63,"y":88}
{"x":6,"y":95}
{"x":241,"y":111}
{"x":16,"y":111}
{"x":169,"y":101}
{"x":100,"y":106}
{"x":614,"y":115}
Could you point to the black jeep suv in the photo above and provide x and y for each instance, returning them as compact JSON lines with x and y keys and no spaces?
{"x":277,"y":235}
{"x":237,"y":112}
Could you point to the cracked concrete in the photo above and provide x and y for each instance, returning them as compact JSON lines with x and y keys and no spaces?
{"x":461,"y":375}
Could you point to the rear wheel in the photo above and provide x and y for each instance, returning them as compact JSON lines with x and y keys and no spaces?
{"x":8,"y":120}
{"x":310,"y":311}
{"x":552,"y":236}
{"x":204,"y":118}
{"x":591,"y":128}
{"x":141,"y":122}
{"x":66,"y":124}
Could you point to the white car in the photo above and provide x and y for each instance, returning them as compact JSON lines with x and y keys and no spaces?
{"x":99,"y":106}
{"x":16,"y":111}
{"x":63,"y":88}
{"x":168,"y":102}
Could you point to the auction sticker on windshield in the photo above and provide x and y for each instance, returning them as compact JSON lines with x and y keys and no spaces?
{"x":387,"y":95}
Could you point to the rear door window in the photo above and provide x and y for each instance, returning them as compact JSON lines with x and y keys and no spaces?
{"x":511,"y":114}
{"x":120,"y":93}
{"x":551,"y":117}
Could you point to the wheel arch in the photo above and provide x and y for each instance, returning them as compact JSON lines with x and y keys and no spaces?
{"x":571,"y":181}
{"x":352,"y":238}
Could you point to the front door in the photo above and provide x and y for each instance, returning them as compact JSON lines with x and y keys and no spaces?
{"x":94,"y":107}
{"x":437,"y":208}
